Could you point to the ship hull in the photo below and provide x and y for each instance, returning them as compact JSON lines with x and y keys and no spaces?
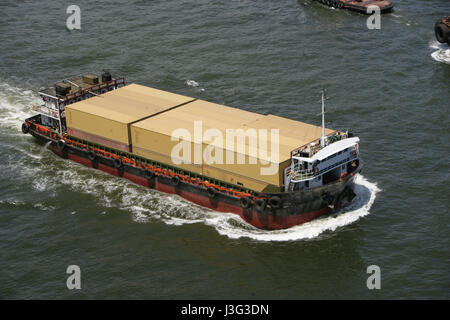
{"x":359,"y":6}
{"x":296,"y":207}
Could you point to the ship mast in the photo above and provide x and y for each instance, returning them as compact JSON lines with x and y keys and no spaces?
{"x":322,"y":140}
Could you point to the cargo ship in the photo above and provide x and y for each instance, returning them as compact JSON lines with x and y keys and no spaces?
{"x":359,"y":5}
{"x":154,"y":138}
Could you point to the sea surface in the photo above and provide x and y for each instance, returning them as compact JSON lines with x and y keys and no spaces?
{"x":263,"y":56}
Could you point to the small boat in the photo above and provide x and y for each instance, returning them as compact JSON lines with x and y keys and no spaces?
{"x":442,"y":30}
{"x":359,"y":5}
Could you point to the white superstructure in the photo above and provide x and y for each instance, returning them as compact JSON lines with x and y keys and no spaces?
{"x":322,"y":161}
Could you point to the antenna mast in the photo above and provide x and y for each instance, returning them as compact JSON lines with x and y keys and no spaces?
{"x":322,"y":140}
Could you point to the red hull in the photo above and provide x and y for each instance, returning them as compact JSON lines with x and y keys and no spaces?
{"x":268,"y":222}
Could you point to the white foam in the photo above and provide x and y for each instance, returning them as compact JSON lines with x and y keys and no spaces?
{"x":441,"y":55}
{"x":15,"y":106}
{"x":400,"y":19}
{"x":233,"y":227}
{"x":42,"y":184}
{"x":12,"y":202}
{"x":25,"y":152}
{"x":43,"y":207}
{"x":193,"y":83}
{"x":434,"y":44}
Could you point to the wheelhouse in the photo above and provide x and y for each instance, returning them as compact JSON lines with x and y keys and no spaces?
{"x":313,"y":165}
{"x":56,"y":98}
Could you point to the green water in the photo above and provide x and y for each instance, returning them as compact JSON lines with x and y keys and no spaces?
{"x":263,"y":56}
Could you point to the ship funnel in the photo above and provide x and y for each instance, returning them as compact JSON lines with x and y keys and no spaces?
{"x":106,"y":76}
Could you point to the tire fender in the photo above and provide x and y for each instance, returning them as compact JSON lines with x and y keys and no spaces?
{"x":118,"y":163}
{"x":149,"y":174}
{"x":442,"y":32}
{"x":260,"y":204}
{"x":61,"y":144}
{"x":92,"y":155}
{"x":175,"y":180}
{"x":275,"y":202}
{"x":245,"y":202}
{"x":212,"y":192}
{"x":25,"y":128}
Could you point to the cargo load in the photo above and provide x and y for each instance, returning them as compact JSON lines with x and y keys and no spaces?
{"x":206,"y":138}
{"x":242,"y":160}
{"x":106,"y":119}
{"x":153,"y":138}
{"x":90,"y":79}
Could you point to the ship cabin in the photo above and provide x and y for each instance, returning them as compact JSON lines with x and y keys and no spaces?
{"x":322,"y":161}
{"x":68,"y":91}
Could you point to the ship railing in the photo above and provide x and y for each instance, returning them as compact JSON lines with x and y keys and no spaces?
{"x":298,"y":175}
{"x":96,"y":89}
{"x":310,"y":149}
{"x":236,"y":189}
{"x":43,"y":109}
